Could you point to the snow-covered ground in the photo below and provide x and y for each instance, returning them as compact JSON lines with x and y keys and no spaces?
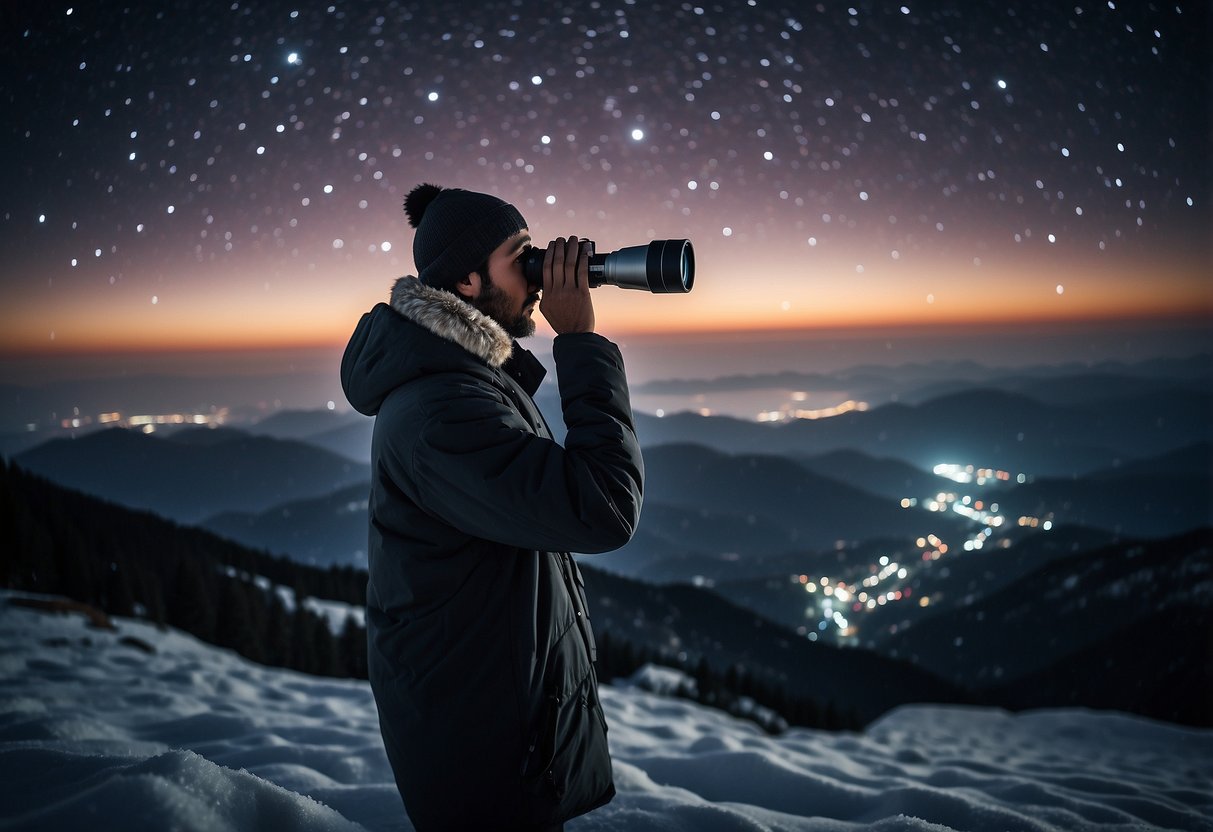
{"x":96,"y":733}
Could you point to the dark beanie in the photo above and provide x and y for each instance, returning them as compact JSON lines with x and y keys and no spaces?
{"x":457,"y":230}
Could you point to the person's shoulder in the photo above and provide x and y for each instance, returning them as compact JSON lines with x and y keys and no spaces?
{"x":431,"y":393}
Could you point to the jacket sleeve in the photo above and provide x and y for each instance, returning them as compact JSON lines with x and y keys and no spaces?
{"x":476,"y":465}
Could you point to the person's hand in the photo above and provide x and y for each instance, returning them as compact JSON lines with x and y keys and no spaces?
{"x":566,"y":287}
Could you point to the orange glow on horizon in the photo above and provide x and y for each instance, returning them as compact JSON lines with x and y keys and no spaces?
{"x":784,"y":295}
{"x":186,"y":345}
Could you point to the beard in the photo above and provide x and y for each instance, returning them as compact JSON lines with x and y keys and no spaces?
{"x":496,"y":304}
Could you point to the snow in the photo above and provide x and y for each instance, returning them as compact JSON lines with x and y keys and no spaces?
{"x":333,"y":613}
{"x":96,"y":733}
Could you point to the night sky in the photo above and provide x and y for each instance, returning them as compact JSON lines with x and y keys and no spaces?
{"x":200,"y":175}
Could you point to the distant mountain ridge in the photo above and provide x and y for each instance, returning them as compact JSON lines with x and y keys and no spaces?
{"x":817,"y":511}
{"x":331,"y":529}
{"x":193,"y":474}
{"x":986,"y":427}
{"x":1064,"y":607}
{"x":697,"y":502}
{"x":918,"y":381}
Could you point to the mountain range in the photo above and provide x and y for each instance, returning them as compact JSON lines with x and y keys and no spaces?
{"x":986,"y":428}
{"x":194,"y":473}
{"x":1072,"y":610}
{"x":1021,"y":643}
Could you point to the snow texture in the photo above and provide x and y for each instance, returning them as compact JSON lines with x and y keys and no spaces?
{"x":97,"y":733}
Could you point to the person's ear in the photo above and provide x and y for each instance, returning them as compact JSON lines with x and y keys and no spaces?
{"x":469,"y":287}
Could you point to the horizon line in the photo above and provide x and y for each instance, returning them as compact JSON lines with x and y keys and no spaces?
{"x":1201,"y":318}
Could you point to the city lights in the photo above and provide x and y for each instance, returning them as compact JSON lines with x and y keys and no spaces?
{"x":890,"y":581}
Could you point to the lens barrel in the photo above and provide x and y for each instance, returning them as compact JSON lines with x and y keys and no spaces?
{"x":661,"y":267}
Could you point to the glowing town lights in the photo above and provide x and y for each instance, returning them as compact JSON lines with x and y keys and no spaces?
{"x":637,"y":134}
{"x":887,"y":582}
{"x":433,"y":96}
{"x":293,"y":58}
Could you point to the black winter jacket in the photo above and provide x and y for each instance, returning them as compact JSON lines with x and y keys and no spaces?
{"x":480,"y":647}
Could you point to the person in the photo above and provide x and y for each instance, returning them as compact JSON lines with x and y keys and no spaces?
{"x":480,"y":650}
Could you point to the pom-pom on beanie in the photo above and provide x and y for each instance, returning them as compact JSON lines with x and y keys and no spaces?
{"x":457,"y":230}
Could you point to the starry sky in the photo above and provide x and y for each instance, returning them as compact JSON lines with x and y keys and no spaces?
{"x":214,"y":175}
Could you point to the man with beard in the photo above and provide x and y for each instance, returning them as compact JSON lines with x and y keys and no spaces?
{"x":480,"y":651}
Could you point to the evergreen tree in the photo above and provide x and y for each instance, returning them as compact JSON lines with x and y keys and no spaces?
{"x":118,"y":597}
{"x":303,"y":645}
{"x":155,"y":606}
{"x":191,"y":608}
{"x":705,"y":681}
{"x":234,"y":628}
{"x":324,"y":649}
{"x":276,"y":637}
{"x":74,"y":570}
{"x":352,"y":648}
{"x":10,"y":551}
{"x":732,"y":679}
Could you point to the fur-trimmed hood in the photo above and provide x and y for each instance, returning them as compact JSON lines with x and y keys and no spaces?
{"x":423,"y":330}
{"x":455,"y":320}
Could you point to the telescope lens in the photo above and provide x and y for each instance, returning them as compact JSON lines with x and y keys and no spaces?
{"x":671,"y":266}
{"x":662,"y":267}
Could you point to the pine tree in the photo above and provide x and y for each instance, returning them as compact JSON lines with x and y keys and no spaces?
{"x":352,"y":648}
{"x":234,"y":628}
{"x":303,"y":645}
{"x":705,"y":681}
{"x":276,"y":637}
{"x":155,"y":606}
{"x":830,"y":719}
{"x":324,"y":650}
{"x":191,"y":608}
{"x":73,"y":568}
{"x":118,"y":597}
{"x":10,"y":551}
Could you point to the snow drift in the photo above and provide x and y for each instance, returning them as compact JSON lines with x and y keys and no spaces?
{"x":97,"y":733}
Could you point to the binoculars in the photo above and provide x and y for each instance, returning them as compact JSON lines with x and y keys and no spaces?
{"x":662,"y":266}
